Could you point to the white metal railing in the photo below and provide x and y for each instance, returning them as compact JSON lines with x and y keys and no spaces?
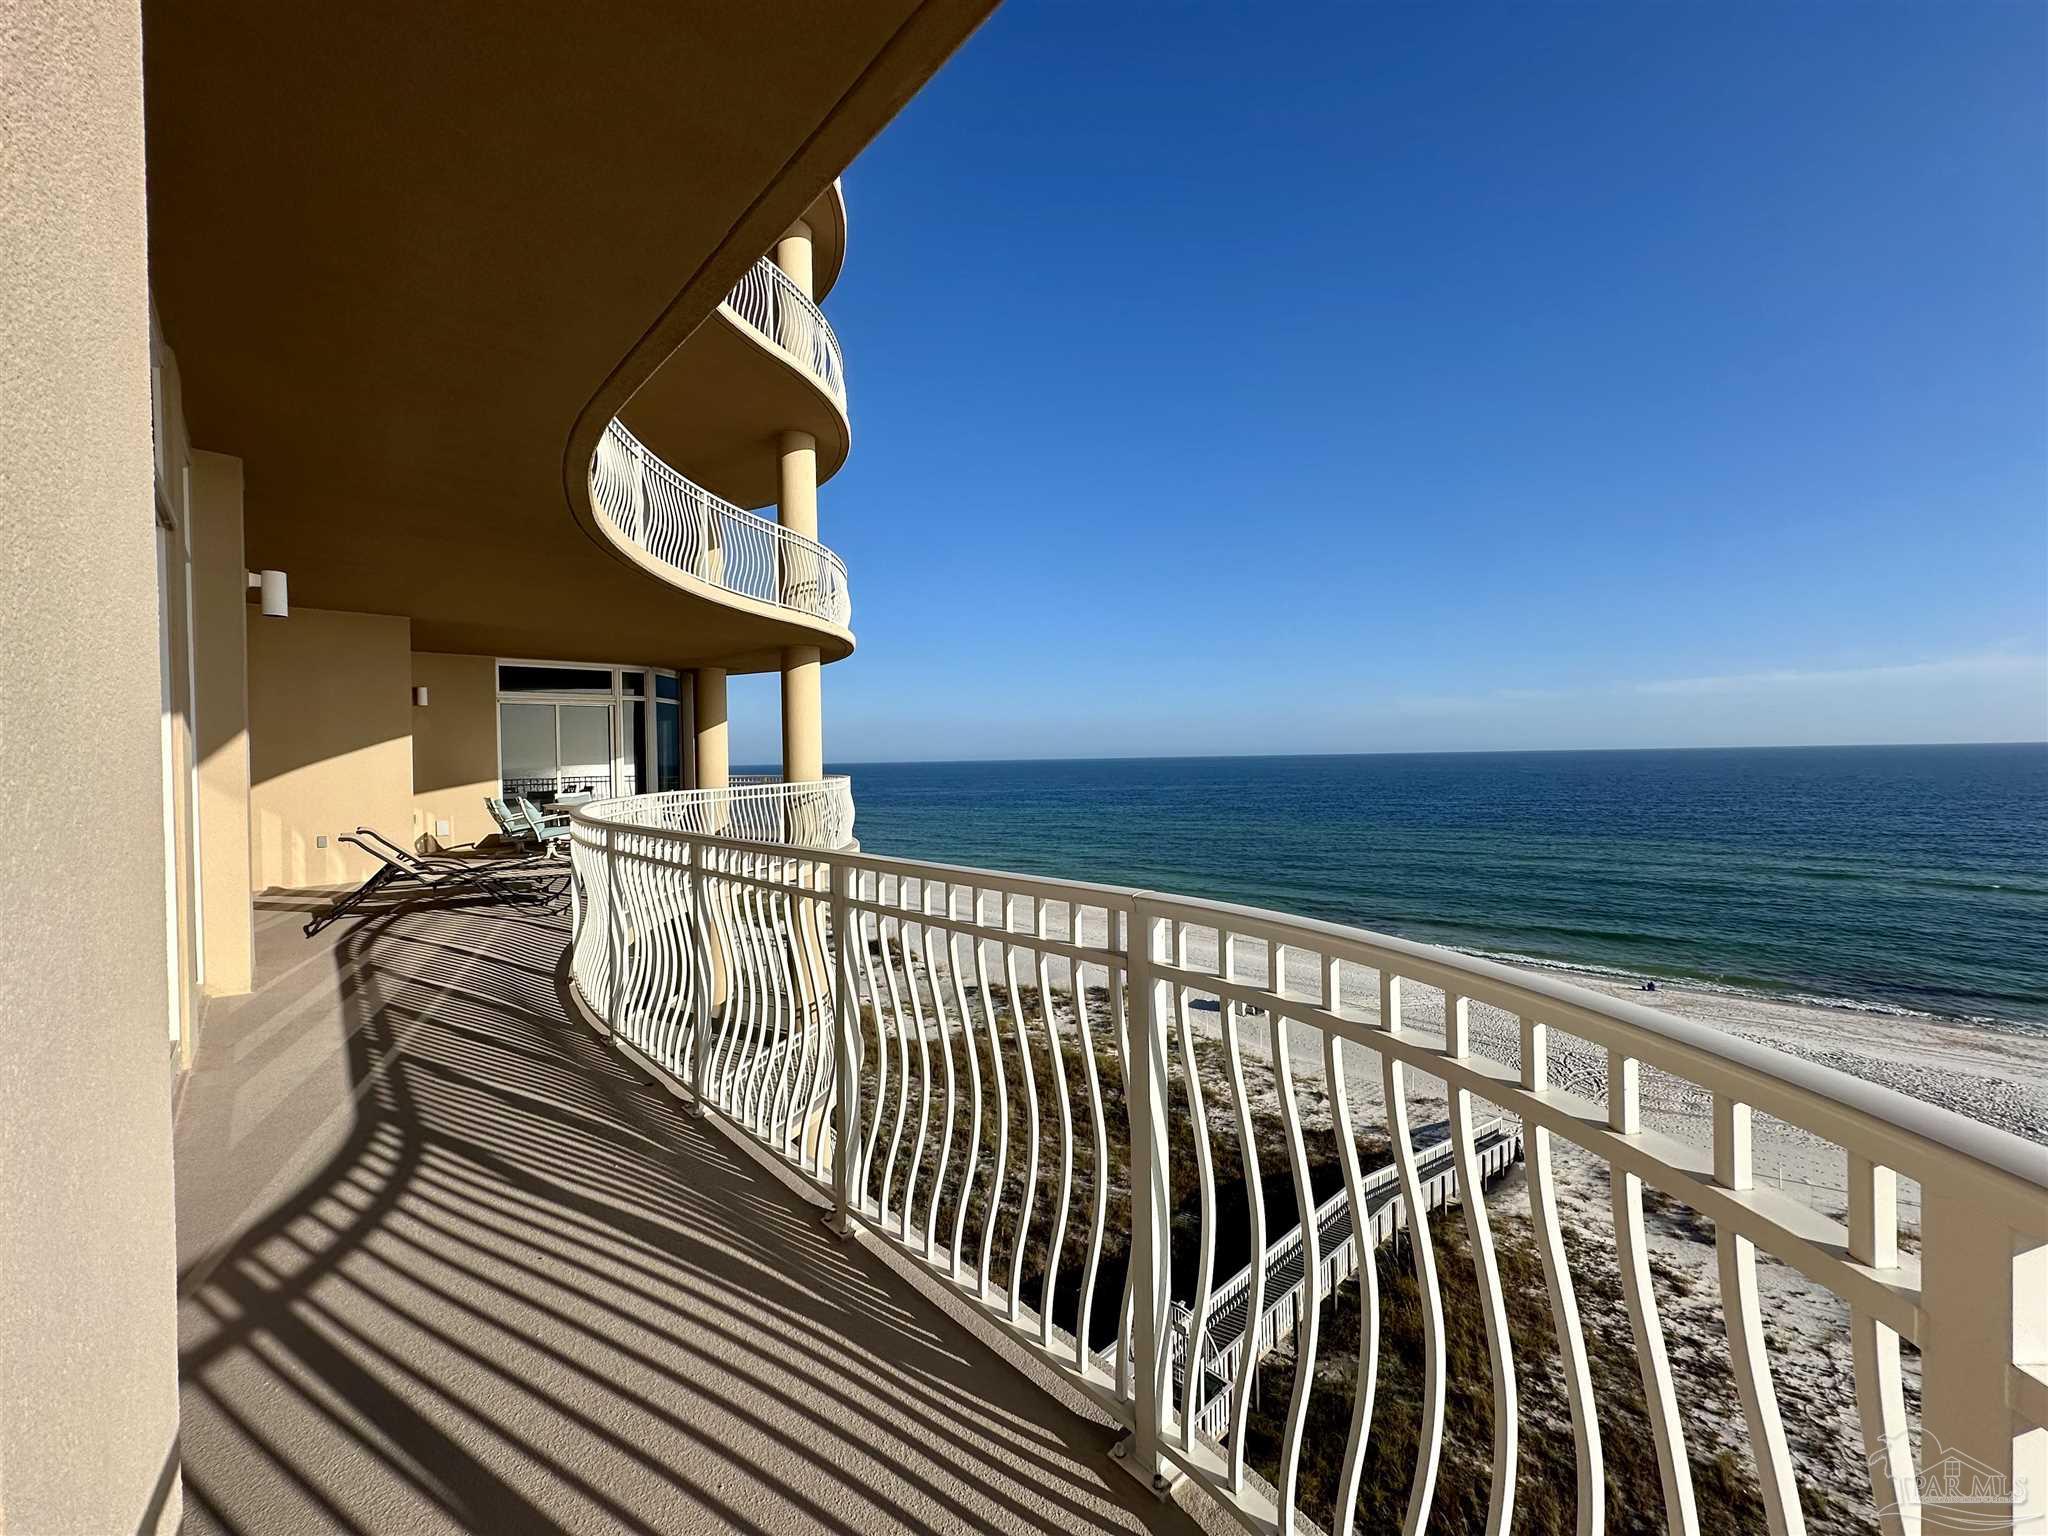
{"x":812,"y":814}
{"x":771,"y":305}
{"x":1000,"y":1074}
{"x":649,"y":505}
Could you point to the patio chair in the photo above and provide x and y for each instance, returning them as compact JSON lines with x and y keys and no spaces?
{"x":515,"y":883}
{"x":525,"y":826}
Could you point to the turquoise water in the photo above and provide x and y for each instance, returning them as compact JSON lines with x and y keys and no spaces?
{"x":1907,"y":878}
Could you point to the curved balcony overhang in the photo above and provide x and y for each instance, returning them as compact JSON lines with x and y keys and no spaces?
{"x":696,"y":541}
{"x":827,"y":219}
{"x":765,"y":363}
{"x":411,"y":310}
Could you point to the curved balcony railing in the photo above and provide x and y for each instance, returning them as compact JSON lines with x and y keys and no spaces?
{"x":768,"y":303}
{"x":650,"y":506}
{"x":999,"y":1074}
{"x":817,"y":814}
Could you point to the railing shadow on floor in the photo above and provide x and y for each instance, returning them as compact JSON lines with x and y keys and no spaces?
{"x":526,"y":1292}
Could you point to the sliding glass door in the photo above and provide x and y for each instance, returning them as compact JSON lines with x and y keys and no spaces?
{"x":551,"y":747}
{"x":587,"y":731}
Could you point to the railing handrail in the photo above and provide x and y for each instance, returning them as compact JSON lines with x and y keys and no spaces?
{"x":661,"y":512}
{"x":1819,"y":1090}
{"x":769,"y":303}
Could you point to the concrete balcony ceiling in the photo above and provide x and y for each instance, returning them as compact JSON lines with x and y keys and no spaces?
{"x":410,"y":285}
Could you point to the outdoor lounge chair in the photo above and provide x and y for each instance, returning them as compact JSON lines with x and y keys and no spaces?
{"x":524,"y":882}
{"x":524,"y":825}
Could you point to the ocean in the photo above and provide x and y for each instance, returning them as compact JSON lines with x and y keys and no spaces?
{"x":1910,"y":879}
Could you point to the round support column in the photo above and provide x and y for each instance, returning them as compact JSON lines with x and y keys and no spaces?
{"x":803,"y":723}
{"x":803,"y":726}
{"x":793,"y":255}
{"x":714,"y":765}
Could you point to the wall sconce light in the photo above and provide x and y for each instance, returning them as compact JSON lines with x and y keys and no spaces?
{"x":419,"y":697}
{"x":271,"y":585}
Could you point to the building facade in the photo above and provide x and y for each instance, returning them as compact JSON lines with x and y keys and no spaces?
{"x":496,"y":352}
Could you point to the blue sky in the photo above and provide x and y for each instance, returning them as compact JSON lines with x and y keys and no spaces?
{"x":1447,"y":376}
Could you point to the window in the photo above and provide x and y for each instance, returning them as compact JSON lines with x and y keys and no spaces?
{"x":570,"y":730}
{"x":522,"y":677}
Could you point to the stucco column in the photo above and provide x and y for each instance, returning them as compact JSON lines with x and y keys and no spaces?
{"x":220,"y":629}
{"x":714,"y":766}
{"x":793,"y":255}
{"x":803,"y":730}
{"x":797,"y":507}
{"x":88,"y":1250}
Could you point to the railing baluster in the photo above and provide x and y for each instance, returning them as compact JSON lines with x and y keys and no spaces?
{"x":1018,"y":1021}
{"x":1564,"y":1304}
{"x":932,"y":955}
{"x":1632,"y":1255}
{"x":871,"y":890}
{"x":1064,"y":1188}
{"x":1743,"y":1313}
{"x":1880,"y":1388}
{"x":924,"y":1061}
{"x":1255,"y":1199}
{"x":971,"y":1167}
{"x":1305,"y":1329}
{"x":900,"y":1026}
{"x":1365,"y":1250}
{"x":1205,"y":1246}
{"x":1429,"y":1446}
{"x":1982,"y":1285}
{"x":846,"y":1022}
{"x":701,"y":1024}
{"x":1500,"y":1504}
{"x":1123,"y":989}
{"x":1098,"y":1124}
{"x":1151,"y":1255}
{"x":1002,"y":1091}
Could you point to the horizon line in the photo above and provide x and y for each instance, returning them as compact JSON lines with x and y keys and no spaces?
{"x":1204,"y":757}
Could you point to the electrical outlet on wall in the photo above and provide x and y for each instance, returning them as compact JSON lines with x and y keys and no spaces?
{"x":440,"y":829}
{"x":320,"y":841}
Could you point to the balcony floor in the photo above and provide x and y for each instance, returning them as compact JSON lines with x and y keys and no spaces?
{"x":446,"y":1264}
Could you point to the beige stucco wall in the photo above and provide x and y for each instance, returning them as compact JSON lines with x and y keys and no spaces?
{"x":454,"y":746}
{"x":220,"y":624}
{"x":88,"y":1352}
{"x":330,"y":741}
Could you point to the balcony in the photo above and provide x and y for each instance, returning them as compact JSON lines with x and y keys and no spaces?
{"x":782,"y":315}
{"x":448,"y":1265}
{"x":766,"y":362}
{"x":449,"y":1262}
{"x":695,"y":537}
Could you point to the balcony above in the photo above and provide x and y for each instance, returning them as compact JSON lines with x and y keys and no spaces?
{"x":412,"y":313}
{"x":827,"y":218}
{"x":766,"y":362}
{"x":706,"y":544}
